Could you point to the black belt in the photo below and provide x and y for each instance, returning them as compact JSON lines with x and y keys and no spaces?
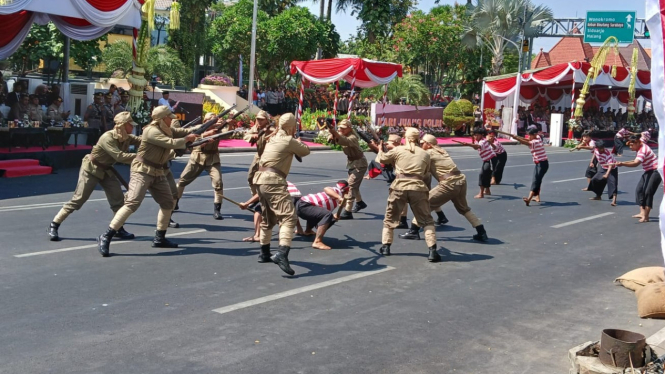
{"x":99,"y":164}
{"x":450,"y":175}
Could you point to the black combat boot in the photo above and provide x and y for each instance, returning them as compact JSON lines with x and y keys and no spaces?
{"x":385,"y":250}
{"x":173,"y":224}
{"x":433,"y":254}
{"x":402,"y":223}
{"x":53,"y":231}
{"x":442,"y":220}
{"x":104,"y":242}
{"x":412,"y":234}
{"x":360,"y":205}
{"x":281,"y":258}
{"x":264,"y":257}
{"x":218,"y":215}
{"x":123,"y":234}
{"x":177,"y":207}
{"x":345,"y":215}
{"x":160,"y":240}
{"x":481,"y":236}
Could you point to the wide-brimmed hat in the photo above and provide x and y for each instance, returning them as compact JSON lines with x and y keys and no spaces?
{"x":124,"y":117}
{"x":162,"y":112}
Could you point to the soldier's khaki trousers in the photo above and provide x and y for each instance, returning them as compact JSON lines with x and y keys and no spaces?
{"x":355,"y":179}
{"x":86,"y":184}
{"x":253,"y":168}
{"x":276,"y":208}
{"x":193,"y":170}
{"x":455,"y":192}
{"x":419,"y":203}
{"x":161,"y":191}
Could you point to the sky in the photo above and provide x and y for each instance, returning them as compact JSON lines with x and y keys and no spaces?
{"x":346,"y":24}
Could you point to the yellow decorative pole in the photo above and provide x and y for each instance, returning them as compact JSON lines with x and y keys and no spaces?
{"x":596,"y":67}
{"x":631,"y":87}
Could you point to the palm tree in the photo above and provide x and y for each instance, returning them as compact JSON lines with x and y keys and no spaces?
{"x":493,"y":22}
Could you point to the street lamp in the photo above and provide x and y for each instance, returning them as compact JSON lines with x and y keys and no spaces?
{"x":153,"y":84}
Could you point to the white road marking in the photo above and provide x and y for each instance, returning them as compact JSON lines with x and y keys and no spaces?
{"x":525,"y":165}
{"x":578,"y":179}
{"x":312,"y":287}
{"x":59,"y":204}
{"x":95,"y":245}
{"x":581,"y":220}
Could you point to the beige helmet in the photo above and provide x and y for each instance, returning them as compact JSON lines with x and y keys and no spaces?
{"x":429,"y":138}
{"x":263,"y":115}
{"x":124,"y":117}
{"x":162,"y":112}
{"x":287,"y":121}
{"x":344,"y":124}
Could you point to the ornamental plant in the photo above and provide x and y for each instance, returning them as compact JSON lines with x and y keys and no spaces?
{"x":217,"y":79}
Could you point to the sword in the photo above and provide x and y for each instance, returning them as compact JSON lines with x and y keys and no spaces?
{"x":237,"y":203}
{"x":120,"y":178}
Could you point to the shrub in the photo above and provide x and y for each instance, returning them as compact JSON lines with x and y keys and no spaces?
{"x":458,"y":113}
{"x":217,"y":79}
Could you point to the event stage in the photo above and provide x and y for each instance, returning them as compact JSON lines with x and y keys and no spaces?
{"x":54,"y":156}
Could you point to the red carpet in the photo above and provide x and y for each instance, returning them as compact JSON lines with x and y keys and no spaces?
{"x":466,"y":139}
{"x":22,"y":168}
{"x":53,"y":148}
{"x":239,"y":143}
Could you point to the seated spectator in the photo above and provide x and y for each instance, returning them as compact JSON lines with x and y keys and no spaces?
{"x":55,"y":112}
{"x":35,"y":112}
{"x":20,"y":109}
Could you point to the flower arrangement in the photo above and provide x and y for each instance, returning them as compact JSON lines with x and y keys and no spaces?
{"x":142,"y":116}
{"x":217,"y":79}
{"x":77,"y":121}
{"x":210,"y":106}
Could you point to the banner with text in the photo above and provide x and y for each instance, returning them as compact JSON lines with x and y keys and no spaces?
{"x":406,"y":115}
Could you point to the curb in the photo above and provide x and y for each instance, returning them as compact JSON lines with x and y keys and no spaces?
{"x":326,"y":148}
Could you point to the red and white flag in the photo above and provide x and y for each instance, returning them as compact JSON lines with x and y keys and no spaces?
{"x":655,"y":16}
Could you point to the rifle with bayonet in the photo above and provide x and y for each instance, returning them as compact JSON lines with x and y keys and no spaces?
{"x":191,"y":123}
{"x":199,"y":142}
{"x":205,"y":127}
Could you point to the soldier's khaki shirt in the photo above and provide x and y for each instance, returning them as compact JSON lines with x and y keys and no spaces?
{"x":35,"y":113}
{"x":351,"y":148}
{"x":441,"y":164}
{"x":416,"y":163}
{"x":54,"y":113}
{"x":108,"y":151}
{"x":278,"y":154}
{"x":157,"y":147}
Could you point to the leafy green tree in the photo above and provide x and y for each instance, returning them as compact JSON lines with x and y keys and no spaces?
{"x":493,"y":22}
{"x":378,"y":17}
{"x":87,"y":54}
{"x":165,"y":63}
{"x":190,"y":40}
{"x":118,"y":58}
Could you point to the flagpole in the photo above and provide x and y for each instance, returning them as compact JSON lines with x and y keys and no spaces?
{"x":252,"y":58}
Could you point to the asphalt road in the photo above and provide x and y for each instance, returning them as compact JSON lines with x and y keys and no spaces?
{"x":513,"y":305}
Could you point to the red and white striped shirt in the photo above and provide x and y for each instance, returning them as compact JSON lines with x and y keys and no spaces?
{"x":592,"y":144}
{"x":621,"y":133}
{"x":293,"y":190}
{"x":648,"y":159}
{"x":485,"y":150}
{"x":646,"y":136}
{"x":538,"y":151}
{"x":604,"y":158}
{"x":322,"y":199}
{"x":499,"y":148}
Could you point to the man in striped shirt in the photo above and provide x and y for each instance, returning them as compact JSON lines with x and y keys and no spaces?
{"x":606,"y":175}
{"x":317,"y":210}
{"x":501,"y":157}
{"x":619,"y":140}
{"x":535,"y":144}
{"x":648,"y":184}
{"x":253,"y":202}
{"x":489,"y":158}
{"x":589,"y":144}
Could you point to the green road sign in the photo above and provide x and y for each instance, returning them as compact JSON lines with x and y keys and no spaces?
{"x":601,"y":25}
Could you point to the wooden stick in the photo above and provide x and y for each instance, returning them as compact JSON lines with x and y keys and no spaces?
{"x":341,"y":206}
{"x":237,"y":203}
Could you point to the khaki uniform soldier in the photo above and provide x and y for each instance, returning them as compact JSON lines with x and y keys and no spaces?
{"x":270,"y":180}
{"x":108,"y":108}
{"x":412,"y":164}
{"x":94,"y":114}
{"x":55,"y":113}
{"x":123,"y":104}
{"x":356,"y":165}
{"x":149,"y":173}
{"x":205,"y":157}
{"x":96,"y":170}
{"x":35,"y":112}
{"x":257,"y":136}
{"x":451,"y":187}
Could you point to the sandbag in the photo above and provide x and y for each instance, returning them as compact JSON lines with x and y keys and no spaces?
{"x":638,"y":278}
{"x":651,"y":301}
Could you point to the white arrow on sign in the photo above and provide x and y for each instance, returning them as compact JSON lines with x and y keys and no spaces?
{"x":629,"y":18}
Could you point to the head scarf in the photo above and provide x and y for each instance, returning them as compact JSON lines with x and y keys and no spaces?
{"x":120,"y":120}
{"x":287,"y":122}
{"x":412,"y":136}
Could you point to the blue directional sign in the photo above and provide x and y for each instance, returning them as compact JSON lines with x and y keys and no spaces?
{"x":601,"y":25}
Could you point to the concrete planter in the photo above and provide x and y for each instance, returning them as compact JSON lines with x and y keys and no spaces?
{"x":226,"y":93}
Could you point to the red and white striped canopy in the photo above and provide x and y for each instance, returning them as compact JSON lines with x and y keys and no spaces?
{"x":367,"y":73}
{"x":78,"y":19}
{"x":556,"y":80}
